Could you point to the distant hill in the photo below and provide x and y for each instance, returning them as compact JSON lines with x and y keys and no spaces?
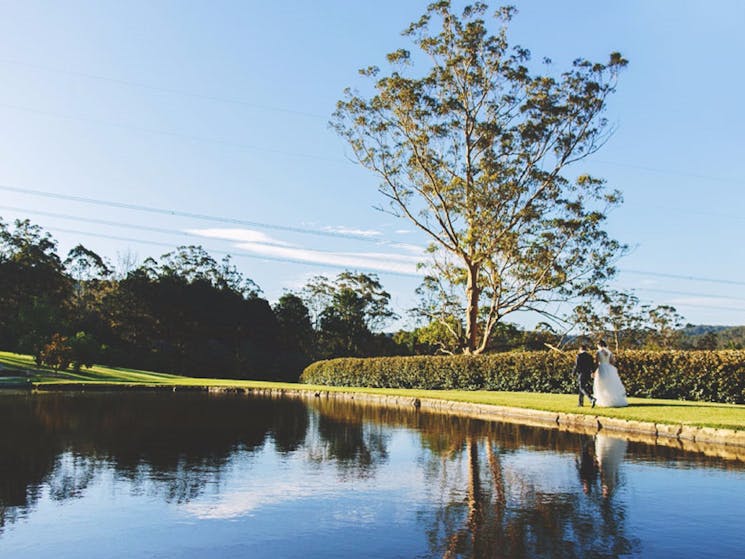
{"x":732,"y":338}
{"x":701,"y":329}
{"x":714,"y":337}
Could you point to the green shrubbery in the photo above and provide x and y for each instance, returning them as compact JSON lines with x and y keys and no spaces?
{"x":715,"y":376}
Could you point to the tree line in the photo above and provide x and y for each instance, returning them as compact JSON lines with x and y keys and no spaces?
{"x":184,"y":312}
{"x":188,"y":313}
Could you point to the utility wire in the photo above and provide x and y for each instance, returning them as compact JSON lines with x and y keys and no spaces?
{"x":670,"y":172}
{"x":231,"y":253}
{"x":146,"y":228}
{"x":291,"y":260}
{"x":235,"y":101}
{"x":678,"y":276}
{"x":158,"y":88}
{"x":292,"y":229}
{"x":711,"y":308}
{"x":171,"y":133}
{"x":688,"y":293}
{"x":188,"y":234}
{"x":201,"y":217}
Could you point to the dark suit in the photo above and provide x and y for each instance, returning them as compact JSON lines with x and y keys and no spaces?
{"x":583,"y":368}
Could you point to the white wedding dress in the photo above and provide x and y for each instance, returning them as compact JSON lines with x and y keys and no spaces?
{"x":607,"y":387}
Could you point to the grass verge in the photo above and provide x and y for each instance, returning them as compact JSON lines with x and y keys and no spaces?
{"x":18,"y":370}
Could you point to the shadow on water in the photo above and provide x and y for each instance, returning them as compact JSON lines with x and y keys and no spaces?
{"x":175,"y":445}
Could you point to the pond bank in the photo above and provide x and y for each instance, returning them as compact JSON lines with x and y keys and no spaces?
{"x":724,"y":443}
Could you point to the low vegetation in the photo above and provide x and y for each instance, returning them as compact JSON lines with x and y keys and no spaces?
{"x":714,"y":376}
{"x":20,"y":370}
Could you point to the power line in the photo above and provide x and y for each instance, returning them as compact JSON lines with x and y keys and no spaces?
{"x":670,"y":172}
{"x":201,"y":217}
{"x":235,"y":101}
{"x":171,"y":133}
{"x":304,"y":262}
{"x":689,"y":294}
{"x":292,"y":229}
{"x":234,"y":254}
{"x":681,"y":277}
{"x":146,"y":228}
{"x":136,"y":207}
{"x":712,"y":308}
{"x":161,"y":89}
{"x":291,"y":260}
{"x":97,"y":221}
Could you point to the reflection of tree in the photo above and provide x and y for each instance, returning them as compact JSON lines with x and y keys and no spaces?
{"x":356,"y":446}
{"x":507,"y":514}
{"x":177,"y":445}
{"x":171,"y":444}
{"x":71,"y":476}
{"x":28,"y":452}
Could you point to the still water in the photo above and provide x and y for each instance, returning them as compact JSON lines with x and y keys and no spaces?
{"x":197,"y":476}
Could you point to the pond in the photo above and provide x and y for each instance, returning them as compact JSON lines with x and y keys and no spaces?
{"x":124,"y":475}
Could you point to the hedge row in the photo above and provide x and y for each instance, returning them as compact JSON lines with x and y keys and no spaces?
{"x":714,"y":376}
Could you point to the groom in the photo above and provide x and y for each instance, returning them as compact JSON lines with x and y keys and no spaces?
{"x":583,"y":368}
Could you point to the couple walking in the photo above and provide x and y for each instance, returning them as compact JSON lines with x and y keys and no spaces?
{"x":607,"y":389}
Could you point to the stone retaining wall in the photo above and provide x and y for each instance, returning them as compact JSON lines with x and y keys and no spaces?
{"x":723,"y":443}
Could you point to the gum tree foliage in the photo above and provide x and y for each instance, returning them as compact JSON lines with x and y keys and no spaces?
{"x":297,"y":339}
{"x":350,"y":293}
{"x":628,"y":323}
{"x":33,"y":287}
{"x":92,"y":284}
{"x":348,"y":313}
{"x":475,"y":151}
{"x":198,"y":315}
{"x":194,"y":264}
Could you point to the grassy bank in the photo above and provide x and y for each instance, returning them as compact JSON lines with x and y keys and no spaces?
{"x":21,"y":370}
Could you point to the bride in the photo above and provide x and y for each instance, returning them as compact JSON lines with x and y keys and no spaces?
{"x":607,"y":387}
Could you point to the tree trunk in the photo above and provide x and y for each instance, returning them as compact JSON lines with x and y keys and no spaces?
{"x":473,"y":293}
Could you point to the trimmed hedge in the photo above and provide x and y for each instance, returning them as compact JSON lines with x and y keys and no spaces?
{"x":713,"y":376}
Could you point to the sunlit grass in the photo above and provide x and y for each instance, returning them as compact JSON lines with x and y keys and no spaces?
{"x":704,"y":414}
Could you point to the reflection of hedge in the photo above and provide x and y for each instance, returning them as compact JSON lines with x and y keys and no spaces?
{"x":717,"y":376}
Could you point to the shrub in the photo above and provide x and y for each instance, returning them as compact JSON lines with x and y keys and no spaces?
{"x":84,"y":350}
{"x":57,"y":354}
{"x":715,"y":376}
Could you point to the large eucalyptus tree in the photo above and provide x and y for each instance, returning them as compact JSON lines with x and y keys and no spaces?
{"x":472,"y":146}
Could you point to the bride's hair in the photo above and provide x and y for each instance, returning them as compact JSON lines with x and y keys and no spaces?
{"x":602,"y":343}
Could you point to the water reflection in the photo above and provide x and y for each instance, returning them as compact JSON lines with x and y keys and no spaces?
{"x":511,"y":510}
{"x":61,"y":440}
{"x":452,"y":486}
{"x":609,"y":452}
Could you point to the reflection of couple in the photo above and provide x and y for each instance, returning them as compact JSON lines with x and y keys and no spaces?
{"x":607,"y":389}
{"x":603,"y":459}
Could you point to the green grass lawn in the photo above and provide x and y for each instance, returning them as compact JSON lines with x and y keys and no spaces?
{"x":21,"y":368}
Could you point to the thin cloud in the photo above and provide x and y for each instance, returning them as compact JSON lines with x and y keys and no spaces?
{"x":261,"y":244}
{"x":344,"y":230}
{"x":414,"y":249}
{"x":385,"y":262}
{"x":239,"y":235}
{"x":711,"y":302}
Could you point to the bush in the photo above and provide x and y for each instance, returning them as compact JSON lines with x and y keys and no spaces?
{"x":57,"y":354}
{"x":715,"y":376}
{"x":84,"y":350}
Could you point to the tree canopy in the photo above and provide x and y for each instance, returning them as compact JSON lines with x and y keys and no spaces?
{"x":475,"y":152}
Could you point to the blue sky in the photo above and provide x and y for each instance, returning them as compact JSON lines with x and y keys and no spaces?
{"x":221,"y":109}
